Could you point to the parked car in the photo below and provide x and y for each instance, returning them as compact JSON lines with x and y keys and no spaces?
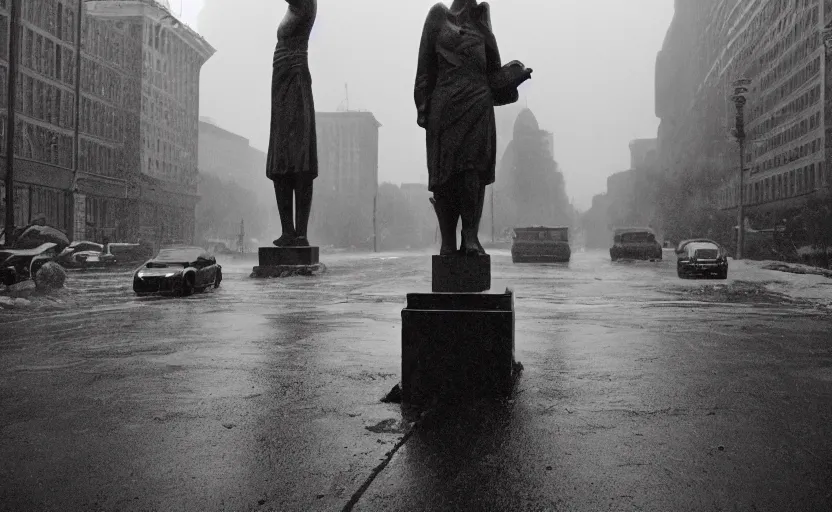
{"x":540,"y":244}
{"x":76,"y":253}
{"x":635,"y":243}
{"x":701,"y":257}
{"x":18,"y":265}
{"x":179,"y":271}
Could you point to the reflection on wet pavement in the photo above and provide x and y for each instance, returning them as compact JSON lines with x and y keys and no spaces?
{"x":265,"y":394}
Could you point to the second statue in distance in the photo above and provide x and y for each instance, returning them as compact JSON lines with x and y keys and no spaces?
{"x":292,"y":161}
{"x":459,"y":81}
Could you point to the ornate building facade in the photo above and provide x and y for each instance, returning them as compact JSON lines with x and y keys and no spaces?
{"x":778,"y":45}
{"x":136,"y":169}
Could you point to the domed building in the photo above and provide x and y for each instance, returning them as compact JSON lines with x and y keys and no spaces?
{"x":529,"y":189}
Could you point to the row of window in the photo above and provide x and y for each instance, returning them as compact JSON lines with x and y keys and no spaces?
{"x":796,"y":106}
{"x":788,"y":184}
{"x":770,"y":100}
{"x":52,"y":16}
{"x":38,"y":143}
{"x":161,"y":111}
{"x":103,"y":39}
{"x":763,"y":27}
{"x":787,"y":157}
{"x":100,"y":212}
{"x":101,"y":159}
{"x":795,"y":132}
{"x":795,"y":57}
{"x":102,"y":120}
{"x":31,"y":200}
{"x":102,"y":81}
{"x":47,"y":57}
{"x":42,"y":101}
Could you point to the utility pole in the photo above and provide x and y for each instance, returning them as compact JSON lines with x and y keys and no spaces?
{"x":492,"y":213}
{"x":375,"y":229}
{"x":11,"y":101}
{"x":241,"y":238}
{"x":76,"y":150}
{"x":739,"y":99}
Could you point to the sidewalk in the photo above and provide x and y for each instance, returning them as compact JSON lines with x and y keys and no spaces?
{"x":809,"y":287}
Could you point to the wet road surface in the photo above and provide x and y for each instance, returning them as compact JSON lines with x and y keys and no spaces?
{"x":640,"y":392}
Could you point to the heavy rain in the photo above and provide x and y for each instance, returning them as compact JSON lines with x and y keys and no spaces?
{"x":318,"y":255}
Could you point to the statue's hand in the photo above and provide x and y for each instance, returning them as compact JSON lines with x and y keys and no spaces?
{"x":422,"y":121}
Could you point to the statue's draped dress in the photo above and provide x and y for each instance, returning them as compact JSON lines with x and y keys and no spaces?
{"x":292,"y":143}
{"x":453,"y":96}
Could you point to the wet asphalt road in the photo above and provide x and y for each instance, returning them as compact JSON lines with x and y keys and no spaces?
{"x":640,"y":392}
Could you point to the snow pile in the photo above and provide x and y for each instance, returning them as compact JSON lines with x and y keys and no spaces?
{"x":50,"y":276}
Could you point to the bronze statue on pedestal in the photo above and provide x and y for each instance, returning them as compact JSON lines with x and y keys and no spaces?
{"x":459,"y":81}
{"x":292,"y":162}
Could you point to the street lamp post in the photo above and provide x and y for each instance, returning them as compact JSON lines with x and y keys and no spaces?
{"x":11,"y":100}
{"x":492,"y":214}
{"x":739,"y":99}
{"x":375,"y":227}
{"x":76,"y":134}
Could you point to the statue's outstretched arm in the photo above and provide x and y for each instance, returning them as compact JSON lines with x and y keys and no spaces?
{"x":504,"y":80}
{"x":426,"y":66}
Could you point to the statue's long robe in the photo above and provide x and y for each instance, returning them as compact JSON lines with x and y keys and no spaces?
{"x":292,"y":141}
{"x":453,"y":99}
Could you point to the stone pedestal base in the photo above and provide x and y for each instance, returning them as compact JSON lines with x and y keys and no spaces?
{"x":457,"y":273}
{"x":287,"y":261}
{"x":287,"y":270}
{"x":457,"y":346}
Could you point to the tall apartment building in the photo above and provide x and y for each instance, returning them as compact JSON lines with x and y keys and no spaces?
{"x":139,"y":87}
{"x":345,"y":191}
{"x":778,"y":45}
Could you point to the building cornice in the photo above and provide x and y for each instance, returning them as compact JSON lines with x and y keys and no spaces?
{"x":154,"y":12}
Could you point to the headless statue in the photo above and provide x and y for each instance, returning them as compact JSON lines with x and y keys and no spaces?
{"x":292,"y":161}
{"x":459,"y":81}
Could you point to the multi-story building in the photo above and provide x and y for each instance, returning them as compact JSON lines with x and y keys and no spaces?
{"x":231,"y":157}
{"x":777,"y":44}
{"x":137,"y":134}
{"x":345,"y":191}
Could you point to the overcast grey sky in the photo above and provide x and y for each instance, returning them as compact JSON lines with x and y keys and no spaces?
{"x":592,"y":85}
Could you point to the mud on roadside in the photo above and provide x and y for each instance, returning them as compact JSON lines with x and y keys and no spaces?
{"x":744,"y":292}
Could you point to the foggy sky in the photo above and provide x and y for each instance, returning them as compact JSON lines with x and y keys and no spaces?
{"x":592,"y":86}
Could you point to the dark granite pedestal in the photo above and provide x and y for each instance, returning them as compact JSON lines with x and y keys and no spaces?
{"x":459,"y":273}
{"x":287,"y":261}
{"x":457,"y":346}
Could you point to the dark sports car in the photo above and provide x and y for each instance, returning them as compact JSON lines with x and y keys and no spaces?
{"x":635,"y":244}
{"x":701,"y":257}
{"x":179,"y":271}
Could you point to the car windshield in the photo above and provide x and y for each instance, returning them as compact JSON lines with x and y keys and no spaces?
{"x":703,"y":249}
{"x":637,"y":238}
{"x":180,"y":255}
{"x":548,"y":234}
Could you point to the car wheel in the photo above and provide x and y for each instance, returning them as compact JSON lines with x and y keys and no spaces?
{"x":187,"y":286}
{"x":218,"y":279}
